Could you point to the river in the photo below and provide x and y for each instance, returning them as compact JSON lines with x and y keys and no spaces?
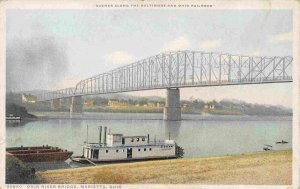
{"x":199,"y":135}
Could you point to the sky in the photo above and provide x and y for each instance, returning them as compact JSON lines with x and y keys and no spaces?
{"x":54,"y":49}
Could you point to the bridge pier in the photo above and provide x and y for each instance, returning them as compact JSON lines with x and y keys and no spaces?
{"x":172,"y":109}
{"x":76,"y":105}
{"x":56,"y":103}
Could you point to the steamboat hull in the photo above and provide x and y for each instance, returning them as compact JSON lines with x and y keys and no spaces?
{"x":83,"y":160}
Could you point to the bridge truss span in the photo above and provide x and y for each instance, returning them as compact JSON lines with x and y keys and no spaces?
{"x":183,"y":69}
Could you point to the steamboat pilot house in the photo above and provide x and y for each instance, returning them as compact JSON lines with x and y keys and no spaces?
{"x":117,"y":147}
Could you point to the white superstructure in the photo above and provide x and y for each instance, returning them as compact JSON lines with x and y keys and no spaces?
{"x":117,"y":147}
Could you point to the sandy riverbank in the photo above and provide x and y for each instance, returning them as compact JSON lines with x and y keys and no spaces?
{"x":272,"y":167}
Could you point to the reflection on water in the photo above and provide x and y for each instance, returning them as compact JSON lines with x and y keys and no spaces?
{"x":200,"y":136}
{"x":15,"y":123}
{"x":172,"y":129}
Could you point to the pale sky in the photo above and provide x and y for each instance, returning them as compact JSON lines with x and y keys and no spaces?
{"x":54,"y":49}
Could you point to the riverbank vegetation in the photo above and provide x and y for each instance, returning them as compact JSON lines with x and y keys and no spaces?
{"x":123,"y":109}
{"x":120,"y":103}
{"x":18,"y":172}
{"x":19,"y":111}
{"x":272,"y":167}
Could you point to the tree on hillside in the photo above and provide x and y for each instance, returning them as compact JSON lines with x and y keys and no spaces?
{"x":142,"y":101}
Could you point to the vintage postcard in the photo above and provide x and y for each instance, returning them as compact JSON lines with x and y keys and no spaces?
{"x":144,"y":94}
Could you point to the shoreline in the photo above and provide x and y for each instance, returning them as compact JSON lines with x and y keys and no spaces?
{"x":47,"y":115}
{"x":272,"y":167}
{"x":151,"y":112}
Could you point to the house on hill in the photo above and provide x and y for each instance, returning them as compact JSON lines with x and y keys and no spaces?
{"x":28,"y":98}
{"x":209,"y":106}
{"x":89,"y":103}
{"x":117,"y":103}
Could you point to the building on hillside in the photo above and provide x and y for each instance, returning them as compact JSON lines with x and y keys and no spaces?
{"x":209,"y":106}
{"x":150,"y":104}
{"x":89,"y":103}
{"x":28,"y":98}
{"x":116,"y":103}
{"x":160,"y":104}
{"x":184,"y":105}
{"x":56,"y":103}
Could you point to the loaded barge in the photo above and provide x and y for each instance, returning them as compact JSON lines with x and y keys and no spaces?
{"x":39,"y":153}
{"x":117,"y":148}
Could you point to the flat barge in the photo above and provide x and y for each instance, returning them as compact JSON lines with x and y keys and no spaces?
{"x":39,"y":153}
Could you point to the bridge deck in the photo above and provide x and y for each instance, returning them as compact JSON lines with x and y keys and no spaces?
{"x":182,"y":69}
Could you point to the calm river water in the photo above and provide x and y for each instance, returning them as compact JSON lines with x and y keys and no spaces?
{"x":199,"y":135}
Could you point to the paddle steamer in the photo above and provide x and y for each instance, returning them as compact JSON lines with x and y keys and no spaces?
{"x":116,"y":147}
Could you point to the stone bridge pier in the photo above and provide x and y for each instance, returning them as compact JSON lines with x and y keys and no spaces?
{"x":56,"y":104}
{"x":76,"y":105}
{"x":172,"y":109}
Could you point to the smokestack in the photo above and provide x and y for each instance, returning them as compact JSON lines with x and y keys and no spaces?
{"x":148,"y":138}
{"x":105,"y":129}
{"x":87,"y":134}
{"x":100,"y":133}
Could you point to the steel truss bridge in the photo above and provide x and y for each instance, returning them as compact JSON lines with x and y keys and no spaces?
{"x":182,"y":69}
